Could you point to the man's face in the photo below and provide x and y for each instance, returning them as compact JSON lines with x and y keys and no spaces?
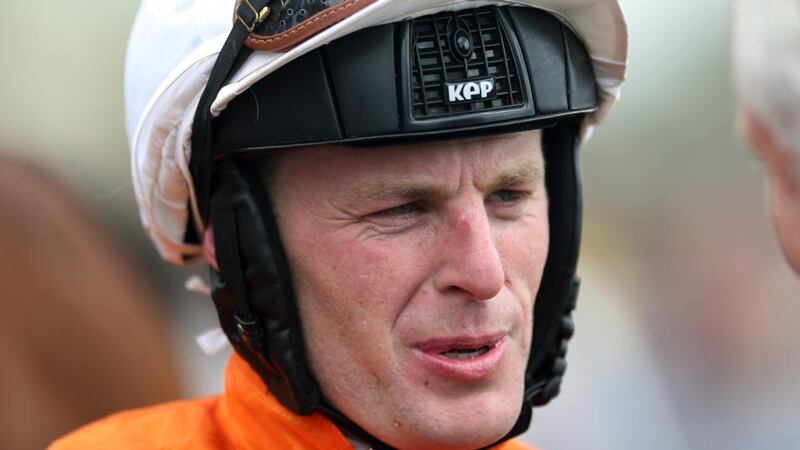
{"x":786,"y":210}
{"x":783,"y":167}
{"x":416,"y":268}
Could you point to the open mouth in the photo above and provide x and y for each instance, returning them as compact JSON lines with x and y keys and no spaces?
{"x":462,"y":359}
{"x":466,"y":353}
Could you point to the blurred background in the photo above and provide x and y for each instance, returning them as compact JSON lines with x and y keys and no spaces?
{"x":687,"y":324}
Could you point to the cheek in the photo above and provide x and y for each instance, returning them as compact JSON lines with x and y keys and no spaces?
{"x":337,"y":281}
{"x":375,"y":272}
{"x":350,"y":296}
{"x":524,"y":249}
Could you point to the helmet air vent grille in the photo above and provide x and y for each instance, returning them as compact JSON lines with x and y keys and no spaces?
{"x":453,"y":48}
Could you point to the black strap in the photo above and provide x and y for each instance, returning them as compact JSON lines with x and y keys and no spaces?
{"x":230,"y":263}
{"x":231,"y":56}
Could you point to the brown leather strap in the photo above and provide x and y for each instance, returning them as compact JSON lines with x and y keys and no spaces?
{"x":309,"y":27}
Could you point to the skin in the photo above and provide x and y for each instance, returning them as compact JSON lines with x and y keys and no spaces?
{"x":783,"y":167}
{"x":393,"y":247}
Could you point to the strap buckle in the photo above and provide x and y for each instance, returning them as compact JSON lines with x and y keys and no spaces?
{"x":258,"y":16}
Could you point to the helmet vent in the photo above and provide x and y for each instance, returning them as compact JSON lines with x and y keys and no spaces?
{"x":453,"y":49}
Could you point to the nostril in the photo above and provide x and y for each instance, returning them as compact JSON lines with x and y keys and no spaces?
{"x":463,"y":281}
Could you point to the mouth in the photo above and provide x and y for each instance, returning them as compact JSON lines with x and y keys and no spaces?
{"x":466,"y":353}
{"x":462,"y":359}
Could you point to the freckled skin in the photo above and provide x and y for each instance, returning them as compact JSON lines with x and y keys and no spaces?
{"x":393,"y":246}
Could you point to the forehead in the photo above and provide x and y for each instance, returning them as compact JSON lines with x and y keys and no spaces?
{"x":337,"y":167}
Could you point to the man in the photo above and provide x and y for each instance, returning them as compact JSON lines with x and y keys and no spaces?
{"x":387,"y":194}
{"x":767,"y":65}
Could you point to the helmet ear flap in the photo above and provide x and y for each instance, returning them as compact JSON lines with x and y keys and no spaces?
{"x":553,"y":325}
{"x":253,"y":291}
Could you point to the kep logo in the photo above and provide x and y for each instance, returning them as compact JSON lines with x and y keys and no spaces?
{"x":470,"y":91}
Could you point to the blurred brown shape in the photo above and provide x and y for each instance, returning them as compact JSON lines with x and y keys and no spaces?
{"x":79,"y":334}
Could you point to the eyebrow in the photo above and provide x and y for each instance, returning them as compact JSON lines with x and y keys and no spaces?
{"x":529,"y":172}
{"x":403,"y":189}
{"x":408,"y":189}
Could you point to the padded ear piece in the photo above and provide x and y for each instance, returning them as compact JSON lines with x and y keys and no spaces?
{"x":253,"y":290}
{"x":553,"y":325}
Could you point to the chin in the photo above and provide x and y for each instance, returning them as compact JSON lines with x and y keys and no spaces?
{"x":473,"y":438}
{"x":471,"y":422}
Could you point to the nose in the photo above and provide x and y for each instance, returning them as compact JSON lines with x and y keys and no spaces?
{"x":470,"y":262}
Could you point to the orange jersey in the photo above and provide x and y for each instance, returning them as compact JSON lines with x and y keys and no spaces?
{"x":245,"y":417}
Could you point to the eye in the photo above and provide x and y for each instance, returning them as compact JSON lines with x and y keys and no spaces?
{"x":507,"y":196}
{"x":401,"y":211}
{"x":508,"y":204}
{"x":397,"y":219}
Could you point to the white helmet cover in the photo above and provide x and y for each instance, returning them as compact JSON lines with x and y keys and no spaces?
{"x":173,"y":47}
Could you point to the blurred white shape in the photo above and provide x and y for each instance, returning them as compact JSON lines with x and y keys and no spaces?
{"x":197,"y":285}
{"x":212,"y":341}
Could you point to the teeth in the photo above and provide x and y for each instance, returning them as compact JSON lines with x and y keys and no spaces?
{"x":465,"y":353}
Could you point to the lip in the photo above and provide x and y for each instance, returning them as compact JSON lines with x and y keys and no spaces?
{"x":428,"y":354}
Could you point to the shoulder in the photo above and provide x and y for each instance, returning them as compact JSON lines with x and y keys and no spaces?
{"x":189,"y":424}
